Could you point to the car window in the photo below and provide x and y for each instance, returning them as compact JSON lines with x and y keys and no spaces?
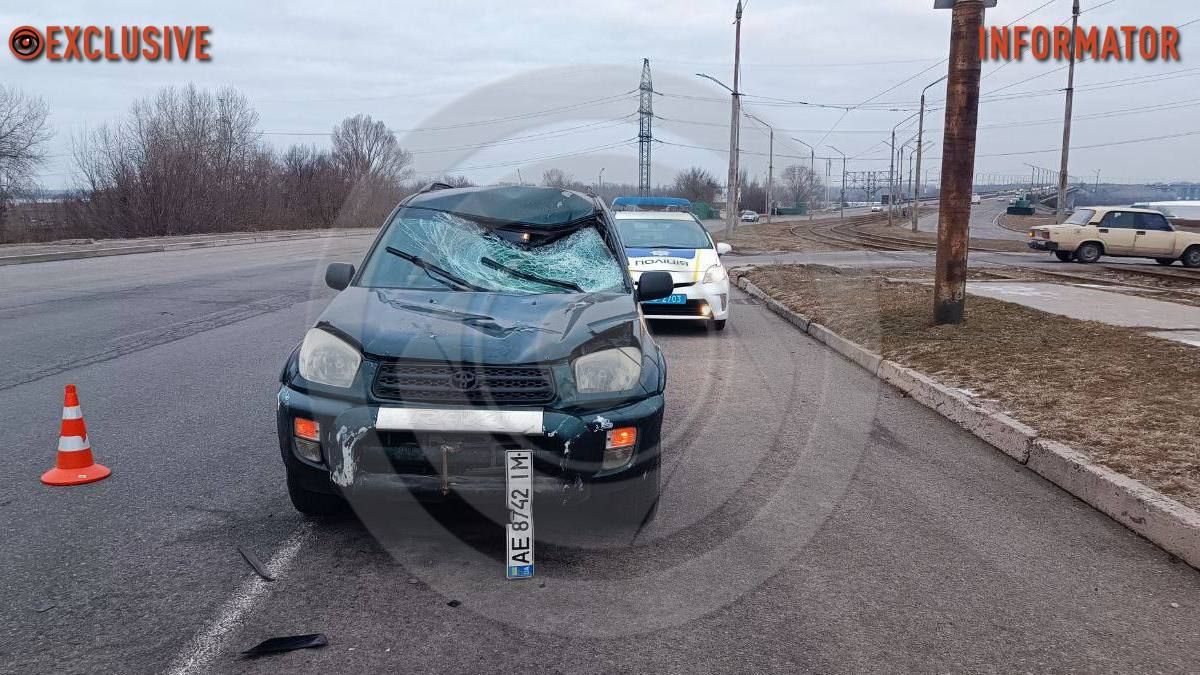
{"x":1152,"y":221}
{"x":1080,"y":217}
{"x":1119,"y":220}
{"x":656,"y":233}
{"x":453,"y":252}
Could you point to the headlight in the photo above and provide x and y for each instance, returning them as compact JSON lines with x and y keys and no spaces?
{"x":325,"y":359}
{"x":608,"y":370}
{"x":714,"y":274}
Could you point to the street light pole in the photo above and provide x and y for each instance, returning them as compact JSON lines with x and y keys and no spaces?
{"x":892,"y":171}
{"x":812,"y":175}
{"x":842,"y":200}
{"x":1060,"y":206}
{"x":731,"y":196}
{"x":920,"y":146}
{"x":600,"y":182}
{"x":770,"y":160}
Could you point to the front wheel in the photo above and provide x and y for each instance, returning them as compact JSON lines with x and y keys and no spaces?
{"x":314,"y":504}
{"x":1191,"y":257}
{"x":1063,"y":256}
{"x":718,"y":324}
{"x":636,"y":505}
{"x":1089,"y":253}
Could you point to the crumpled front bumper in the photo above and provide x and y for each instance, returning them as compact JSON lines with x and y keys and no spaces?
{"x":1043,"y":245}
{"x":377,"y":450}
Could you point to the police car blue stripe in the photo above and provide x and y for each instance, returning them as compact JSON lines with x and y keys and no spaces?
{"x":687,"y":253}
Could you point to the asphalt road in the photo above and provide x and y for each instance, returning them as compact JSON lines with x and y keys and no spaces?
{"x":812,"y":518}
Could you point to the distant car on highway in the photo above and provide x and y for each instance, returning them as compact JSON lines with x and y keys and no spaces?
{"x":1093,"y":232}
{"x":749,"y":217}
{"x":976,"y":199}
{"x":678,"y":244}
{"x":876,"y":208}
{"x":481,"y":321}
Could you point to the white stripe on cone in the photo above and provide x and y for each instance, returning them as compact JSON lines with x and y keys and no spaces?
{"x":72,"y":413}
{"x":73,"y":444}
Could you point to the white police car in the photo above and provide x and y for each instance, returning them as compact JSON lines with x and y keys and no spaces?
{"x":661,"y":241}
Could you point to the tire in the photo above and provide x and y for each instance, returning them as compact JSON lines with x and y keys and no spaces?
{"x":1165,"y":261}
{"x":1191,"y":257}
{"x":1089,"y":253}
{"x":315,"y":504}
{"x":1063,"y":256}
{"x":637,"y":505}
{"x":719,"y":324}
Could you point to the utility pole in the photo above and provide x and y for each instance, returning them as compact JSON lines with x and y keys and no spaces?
{"x":812,"y":176}
{"x":842,"y":200}
{"x":731,"y":194}
{"x":600,"y":181}
{"x":920,"y":141}
{"x":892,"y":182}
{"x":770,"y":160}
{"x":645,"y":137}
{"x":958,"y":158}
{"x":1060,"y":206}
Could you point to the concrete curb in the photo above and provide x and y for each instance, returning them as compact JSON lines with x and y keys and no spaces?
{"x":1151,"y":514}
{"x":176,"y":246}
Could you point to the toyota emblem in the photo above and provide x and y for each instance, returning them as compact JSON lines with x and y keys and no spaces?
{"x":463,"y":380}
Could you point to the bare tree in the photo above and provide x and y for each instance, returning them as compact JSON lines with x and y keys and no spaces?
{"x":557,"y":178}
{"x":366,"y":148}
{"x":183,"y":161}
{"x":23,"y":133}
{"x":696,"y":185}
{"x":802,"y":184}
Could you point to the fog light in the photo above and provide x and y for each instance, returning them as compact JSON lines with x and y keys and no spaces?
{"x":310,"y":450}
{"x":706,"y":310}
{"x":307,"y":429}
{"x":618,"y":447}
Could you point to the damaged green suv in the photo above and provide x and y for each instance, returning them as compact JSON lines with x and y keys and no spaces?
{"x":481,"y":320}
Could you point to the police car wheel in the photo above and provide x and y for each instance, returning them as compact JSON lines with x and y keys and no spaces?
{"x":718,"y":324}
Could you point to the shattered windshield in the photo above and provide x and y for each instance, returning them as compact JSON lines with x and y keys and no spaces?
{"x":430,"y":249}
{"x":662,"y":233}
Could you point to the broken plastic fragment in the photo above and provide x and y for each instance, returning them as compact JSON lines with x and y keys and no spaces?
{"x":286,"y":644}
{"x":254,"y":562}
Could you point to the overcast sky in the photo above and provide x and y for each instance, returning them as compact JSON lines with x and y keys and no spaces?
{"x":306,"y":64}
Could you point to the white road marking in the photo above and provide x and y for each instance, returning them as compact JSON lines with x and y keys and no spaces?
{"x":207,"y":643}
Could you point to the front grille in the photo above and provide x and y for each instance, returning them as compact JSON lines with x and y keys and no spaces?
{"x":690,"y":308}
{"x":464,"y":383}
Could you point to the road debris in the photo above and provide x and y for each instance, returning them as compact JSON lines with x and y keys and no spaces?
{"x":453,"y":603}
{"x":257,"y":564}
{"x":287,"y":644}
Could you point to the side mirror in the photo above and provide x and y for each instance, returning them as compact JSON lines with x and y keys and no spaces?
{"x":338,"y":275}
{"x":654,"y":286}
{"x":723,"y":248}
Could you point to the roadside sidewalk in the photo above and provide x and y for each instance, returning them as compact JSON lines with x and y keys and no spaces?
{"x":1123,"y":468}
{"x":71,"y":249}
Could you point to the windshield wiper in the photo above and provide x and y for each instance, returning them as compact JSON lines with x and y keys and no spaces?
{"x":430,"y":267}
{"x":531,"y":277}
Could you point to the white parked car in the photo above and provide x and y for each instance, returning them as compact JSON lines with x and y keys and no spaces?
{"x":749,"y":217}
{"x":876,"y":209}
{"x":677,"y":243}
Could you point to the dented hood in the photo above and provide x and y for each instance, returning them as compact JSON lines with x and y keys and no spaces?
{"x":496,"y":328}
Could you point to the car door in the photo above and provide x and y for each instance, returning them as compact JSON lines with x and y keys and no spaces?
{"x":1116,"y":231}
{"x":1153,"y":236}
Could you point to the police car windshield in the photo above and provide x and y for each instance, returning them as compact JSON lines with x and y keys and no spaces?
{"x":662,"y":233}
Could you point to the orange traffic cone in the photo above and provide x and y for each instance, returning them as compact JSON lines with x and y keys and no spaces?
{"x":75,"y":465}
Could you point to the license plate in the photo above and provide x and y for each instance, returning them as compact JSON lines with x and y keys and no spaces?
{"x":677,"y":299}
{"x":518,"y":532}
